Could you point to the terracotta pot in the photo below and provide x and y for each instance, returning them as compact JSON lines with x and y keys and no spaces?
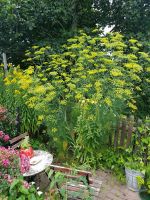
{"x":28,"y":152}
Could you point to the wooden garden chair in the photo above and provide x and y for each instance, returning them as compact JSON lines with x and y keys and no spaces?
{"x":79,"y":182}
{"x":16,"y":141}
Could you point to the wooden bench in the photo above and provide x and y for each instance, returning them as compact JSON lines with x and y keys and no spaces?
{"x":79,"y":182}
{"x":16,"y":141}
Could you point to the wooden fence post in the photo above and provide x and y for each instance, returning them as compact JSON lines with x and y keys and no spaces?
{"x":5,"y":64}
{"x":123,"y":132}
{"x":130,"y":131}
{"x":116,"y":136}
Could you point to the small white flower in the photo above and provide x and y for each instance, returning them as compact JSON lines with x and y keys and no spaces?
{"x":32,"y":183}
{"x":39,"y":193}
{"x":37,"y":188}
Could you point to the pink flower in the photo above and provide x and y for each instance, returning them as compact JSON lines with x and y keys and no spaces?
{"x":1,"y":134}
{"x":26,"y":184}
{"x":2,"y":148}
{"x":5,"y":162}
{"x":6,"y":138}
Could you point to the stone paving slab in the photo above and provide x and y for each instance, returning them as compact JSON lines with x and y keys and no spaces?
{"x":113,"y":190}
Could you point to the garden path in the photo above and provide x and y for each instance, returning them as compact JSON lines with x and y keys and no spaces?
{"x":113,"y":190}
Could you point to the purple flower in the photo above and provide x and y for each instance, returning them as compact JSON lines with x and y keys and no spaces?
{"x":5,"y":162}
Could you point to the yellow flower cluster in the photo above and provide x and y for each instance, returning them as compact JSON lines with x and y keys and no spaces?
{"x":90,"y":70}
{"x":116,"y":72}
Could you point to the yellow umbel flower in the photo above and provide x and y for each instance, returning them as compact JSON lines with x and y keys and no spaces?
{"x":134,"y":67}
{"x":25,"y":82}
{"x":30,"y":70}
{"x":108,"y":101}
{"x":40,"y":117}
{"x":132,"y":106}
{"x":17,"y":92}
{"x":116,"y":72}
{"x":40,"y":89}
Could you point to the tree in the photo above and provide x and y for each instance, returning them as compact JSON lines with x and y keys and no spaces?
{"x":25,"y":22}
{"x":128,"y":16}
{"x":131,"y":15}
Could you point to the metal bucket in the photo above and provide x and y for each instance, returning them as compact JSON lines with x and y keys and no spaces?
{"x":131,"y":179}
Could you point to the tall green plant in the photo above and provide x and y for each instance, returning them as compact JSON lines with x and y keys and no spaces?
{"x":75,"y":93}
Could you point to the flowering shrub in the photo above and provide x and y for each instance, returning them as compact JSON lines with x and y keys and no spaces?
{"x":4,"y":138}
{"x":9,"y":166}
{"x":12,"y":164}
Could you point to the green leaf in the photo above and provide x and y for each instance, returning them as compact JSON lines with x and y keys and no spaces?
{"x":14,"y":183}
{"x":32,"y":197}
{"x":22,"y":197}
{"x":23,"y":190}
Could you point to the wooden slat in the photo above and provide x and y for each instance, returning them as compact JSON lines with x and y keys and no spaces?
{"x":78,"y":187}
{"x":16,"y":145}
{"x":69,"y":170}
{"x":129,"y":137}
{"x":123,"y":133}
{"x":18,"y":138}
{"x":94,"y":183}
{"x":73,"y":188}
{"x":76,"y":178}
{"x":116,"y":137}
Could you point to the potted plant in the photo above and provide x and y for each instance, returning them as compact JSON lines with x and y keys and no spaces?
{"x":26,"y":148}
{"x":135,"y":174}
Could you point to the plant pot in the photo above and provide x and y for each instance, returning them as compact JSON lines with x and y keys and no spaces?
{"x":28,"y":152}
{"x":131,"y":179}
